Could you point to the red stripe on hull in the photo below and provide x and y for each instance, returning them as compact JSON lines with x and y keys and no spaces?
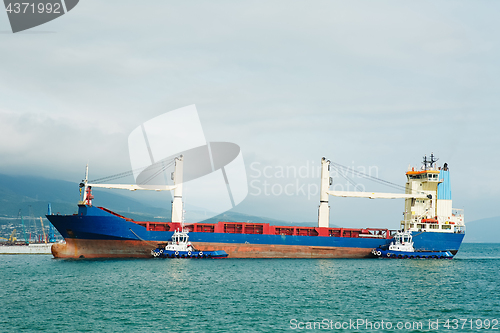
{"x":79,"y":248}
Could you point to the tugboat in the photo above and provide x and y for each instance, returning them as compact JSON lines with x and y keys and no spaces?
{"x":181,"y":247}
{"x":402,"y":248}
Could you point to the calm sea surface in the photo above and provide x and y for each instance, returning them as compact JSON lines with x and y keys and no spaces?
{"x":39,"y":293}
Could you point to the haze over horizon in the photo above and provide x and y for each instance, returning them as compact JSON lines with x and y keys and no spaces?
{"x":370,"y":85}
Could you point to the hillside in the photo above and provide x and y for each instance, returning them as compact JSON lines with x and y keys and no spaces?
{"x":483,"y":231}
{"x":32,"y":195}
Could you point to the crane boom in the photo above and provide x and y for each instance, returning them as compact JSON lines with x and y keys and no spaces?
{"x":43,"y":230}
{"x":377,"y":195}
{"x":12,"y":238}
{"x":133,"y":187}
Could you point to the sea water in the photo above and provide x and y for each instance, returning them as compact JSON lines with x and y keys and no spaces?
{"x":39,"y":293}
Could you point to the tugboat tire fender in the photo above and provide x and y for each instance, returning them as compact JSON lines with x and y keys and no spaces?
{"x":379,"y":253}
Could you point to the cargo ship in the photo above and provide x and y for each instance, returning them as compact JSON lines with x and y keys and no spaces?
{"x":97,"y":232}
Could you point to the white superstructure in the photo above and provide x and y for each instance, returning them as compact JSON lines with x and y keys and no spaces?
{"x":403,"y":241}
{"x":180,"y":242}
{"x":435,"y":214}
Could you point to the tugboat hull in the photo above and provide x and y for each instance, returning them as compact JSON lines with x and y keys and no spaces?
{"x":411,"y":255}
{"x":160,"y":253}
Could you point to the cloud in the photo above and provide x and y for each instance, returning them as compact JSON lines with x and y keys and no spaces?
{"x":381,"y":83}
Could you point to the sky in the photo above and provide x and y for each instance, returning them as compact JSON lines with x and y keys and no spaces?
{"x":373,"y":85}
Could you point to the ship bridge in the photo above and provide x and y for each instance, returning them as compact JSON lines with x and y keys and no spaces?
{"x":436,"y":214}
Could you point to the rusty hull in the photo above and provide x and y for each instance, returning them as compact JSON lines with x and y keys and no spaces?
{"x":81,"y":248}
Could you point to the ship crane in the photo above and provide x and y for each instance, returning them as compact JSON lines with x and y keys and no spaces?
{"x":326,"y":181}
{"x":177,"y":209}
{"x":12,"y":238}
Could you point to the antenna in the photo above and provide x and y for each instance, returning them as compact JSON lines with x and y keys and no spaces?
{"x":425,"y":162}
{"x":433,"y":160}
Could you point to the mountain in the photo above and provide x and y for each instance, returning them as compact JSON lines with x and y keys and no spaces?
{"x":240,"y":217}
{"x":32,"y":195}
{"x":483,"y":231}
